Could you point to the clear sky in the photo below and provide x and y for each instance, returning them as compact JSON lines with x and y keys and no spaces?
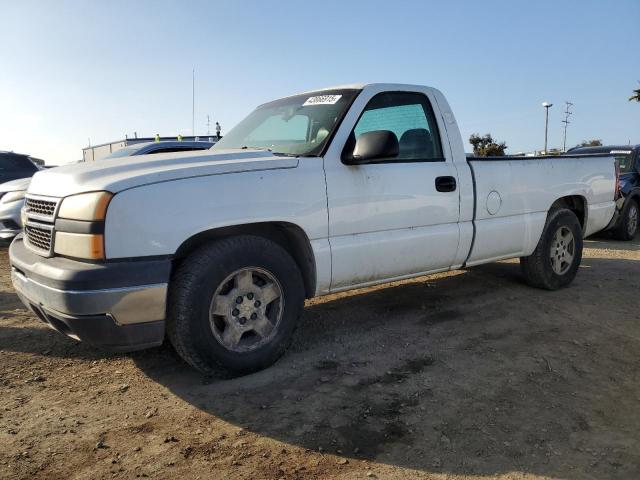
{"x":74,"y":70}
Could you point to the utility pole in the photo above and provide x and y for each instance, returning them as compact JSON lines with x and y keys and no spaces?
{"x":208,"y":125}
{"x":193,"y":102}
{"x":567,"y":113}
{"x":546,"y":106}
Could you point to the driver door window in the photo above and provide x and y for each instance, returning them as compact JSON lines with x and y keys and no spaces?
{"x":410,"y":117}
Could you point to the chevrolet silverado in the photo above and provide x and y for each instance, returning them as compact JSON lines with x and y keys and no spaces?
{"x":310,"y":194}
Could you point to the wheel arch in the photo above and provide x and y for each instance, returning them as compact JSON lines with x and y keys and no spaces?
{"x":577,"y":204}
{"x":634,"y":194}
{"x":289,"y":236}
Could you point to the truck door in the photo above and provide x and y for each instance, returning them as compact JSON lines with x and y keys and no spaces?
{"x":396,"y":216}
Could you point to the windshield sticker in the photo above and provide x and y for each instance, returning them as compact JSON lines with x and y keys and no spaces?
{"x":322,"y":100}
{"x":623,"y":152}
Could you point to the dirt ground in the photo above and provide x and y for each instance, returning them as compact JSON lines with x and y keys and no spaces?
{"x":469,"y":374}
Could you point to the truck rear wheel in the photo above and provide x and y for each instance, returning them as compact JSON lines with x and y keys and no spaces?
{"x":629,"y":220}
{"x":555,"y":261}
{"x":234,"y":303}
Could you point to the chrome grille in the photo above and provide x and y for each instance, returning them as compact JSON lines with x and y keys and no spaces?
{"x":39,"y":238}
{"x":40,"y":207}
{"x":40,"y":213}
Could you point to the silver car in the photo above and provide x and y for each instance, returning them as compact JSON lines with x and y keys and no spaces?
{"x":11,"y":201}
{"x":12,"y":193}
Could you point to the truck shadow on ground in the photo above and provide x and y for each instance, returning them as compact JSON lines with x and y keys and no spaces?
{"x":42,"y":340}
{"x":606,"y":241}
{"x":474,"y":373}
{"x":470,"y":373}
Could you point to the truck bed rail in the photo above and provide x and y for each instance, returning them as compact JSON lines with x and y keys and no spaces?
{"x":508,"y":158}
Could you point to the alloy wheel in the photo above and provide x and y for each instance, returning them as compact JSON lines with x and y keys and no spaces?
{"x":632,"y":220}
{"x":246,"y":309}
{"x":563,"y":249}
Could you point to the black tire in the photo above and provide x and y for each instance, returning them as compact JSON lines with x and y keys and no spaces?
{"x":191,"y":294}
{"x":627,"y":227}
{"x":537,"y":268}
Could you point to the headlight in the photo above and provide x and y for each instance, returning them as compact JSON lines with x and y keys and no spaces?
{"x":13,"y":196}
{"x":78,"y":217}
{"x":85,"y":206}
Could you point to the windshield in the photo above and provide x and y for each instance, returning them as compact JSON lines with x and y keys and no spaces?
{"x":299,"y":125}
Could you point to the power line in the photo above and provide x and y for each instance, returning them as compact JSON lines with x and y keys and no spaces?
{"x":567,"y":113}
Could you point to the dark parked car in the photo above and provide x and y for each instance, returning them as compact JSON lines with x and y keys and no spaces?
{"x":160,"y":147}
{"x":16,"y":165}
{"x":626,"y":221}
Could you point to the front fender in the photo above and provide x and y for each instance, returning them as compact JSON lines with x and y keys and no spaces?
{"x":154,"y":220}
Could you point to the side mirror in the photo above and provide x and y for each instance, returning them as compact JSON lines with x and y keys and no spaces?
{"x":374,"y":145}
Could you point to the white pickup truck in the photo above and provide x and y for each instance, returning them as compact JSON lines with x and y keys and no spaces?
{"x":310,"y":194}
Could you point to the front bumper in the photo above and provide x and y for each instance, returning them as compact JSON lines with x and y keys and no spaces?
{"x":118,"y":306}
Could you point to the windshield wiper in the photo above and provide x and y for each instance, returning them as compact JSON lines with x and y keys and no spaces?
{"x":266,"y":149}
{"x":255,"y":148}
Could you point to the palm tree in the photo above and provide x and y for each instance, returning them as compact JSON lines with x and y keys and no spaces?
{"x":636,"y":96}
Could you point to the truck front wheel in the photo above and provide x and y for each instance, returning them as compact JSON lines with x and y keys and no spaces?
{"x":234,"y":303}
{"x":555,"y":261}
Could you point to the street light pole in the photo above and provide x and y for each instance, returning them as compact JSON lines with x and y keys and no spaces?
{"x":546,"y":106}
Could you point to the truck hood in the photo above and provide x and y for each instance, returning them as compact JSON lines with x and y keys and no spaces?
{"x":117,"y":174}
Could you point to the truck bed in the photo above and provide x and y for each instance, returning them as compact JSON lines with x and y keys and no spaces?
{"x":513,"y":195}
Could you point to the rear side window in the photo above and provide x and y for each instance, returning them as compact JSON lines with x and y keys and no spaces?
{"x":624,"y":159}
{"x":625,"y":163}
{"x":16,"y":163}
{"x":410,"y":117}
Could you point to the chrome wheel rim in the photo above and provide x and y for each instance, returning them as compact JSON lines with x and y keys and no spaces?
{"x":246,"y":309}
{"x":563,"y":250}
{"x":632,"y":223}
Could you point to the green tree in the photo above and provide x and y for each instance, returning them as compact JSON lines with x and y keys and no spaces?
{"x":636,"y":96}
{"x":486,"y":146}
{"x":594,"y":142}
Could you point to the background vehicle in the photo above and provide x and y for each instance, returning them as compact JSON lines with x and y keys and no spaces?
{"x":310,"y":194}
{"x":626,"y":221}
{"x":160,"y":147}
{"x":16,"y":165}
{"x":11,"y":201}
{"x":16,"y":171}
